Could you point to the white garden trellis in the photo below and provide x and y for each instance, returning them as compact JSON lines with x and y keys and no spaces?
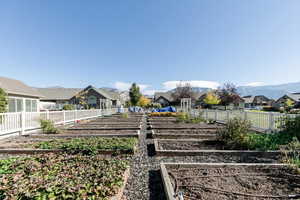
{"x":186,"y":104}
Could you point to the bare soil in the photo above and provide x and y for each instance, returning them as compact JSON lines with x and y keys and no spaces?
{"x":185,"y":126}
{"x":190,"y":145}
{"x":66,"y":131}
{"x":235,"y":182}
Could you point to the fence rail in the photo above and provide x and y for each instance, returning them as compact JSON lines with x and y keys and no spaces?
{"x":265,"y":121}
{"x":21,"y":122}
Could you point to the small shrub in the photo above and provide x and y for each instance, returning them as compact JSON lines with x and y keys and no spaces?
{"x":186,"y":118}
{"x":124,"y":115}
{"x":3,"y":101}
{"x":68,"y":107}
{"x":182,"y":117}
{"x":291,"y":153}
{"x":48,"y":127}
{"x":291,"y":126}
{"x":234,"y":134}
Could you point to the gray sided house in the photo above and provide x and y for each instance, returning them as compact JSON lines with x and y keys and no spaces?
{"x":166,"y":98}
{"x":56,"y":98}
{"x":21,"y":97}
{"x":255,"y":101}
{"x":295,"y":97}
{"x":97,"y":98}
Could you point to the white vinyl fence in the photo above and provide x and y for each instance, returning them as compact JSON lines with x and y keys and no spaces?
{"x":20,"y":122}
{"x":267,"y":121}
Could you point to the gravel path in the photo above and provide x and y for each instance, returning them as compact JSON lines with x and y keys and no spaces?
{"x":145,"y":182}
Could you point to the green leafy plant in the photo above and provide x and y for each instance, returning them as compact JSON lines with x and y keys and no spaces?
{"x":291,"y":153}
{"x":124,"y":115}
{"x":63,"y":177}
{"x":234,"y":134}
{"x":68,"y":107}
{"x":263,"y":141}
{"x":89,"y":146}
{"x":186,"y":118}
{"x":48,"y":127}
{"x":290,"y":126}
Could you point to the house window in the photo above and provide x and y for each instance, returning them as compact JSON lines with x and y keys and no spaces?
{"x":33,"y":106}
{"x":28,"y":105}
{"x":11,"y":105}
{"x":92,"y":100}
{"x":19,"y":105}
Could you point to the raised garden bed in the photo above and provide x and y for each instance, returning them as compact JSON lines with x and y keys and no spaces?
{"x":89,"y":128}
{"x":62,"y":176}
{"x":211,"y":181}
{"x":184,"y":134}
{"x":192,"y":147}
{"x":89,"y":146}
{"x":184,"y":126}
{"x":90,"y":133}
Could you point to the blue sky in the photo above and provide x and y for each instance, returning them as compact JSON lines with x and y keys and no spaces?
{"x":74,"y":43}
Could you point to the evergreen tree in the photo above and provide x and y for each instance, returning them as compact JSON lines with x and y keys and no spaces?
{"x":134,"y":94}
{"x":3,"y":101}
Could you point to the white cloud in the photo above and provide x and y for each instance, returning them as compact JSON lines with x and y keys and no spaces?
{"x":255,"y":84}
{"x":169,"y":85}
{"x":125,"y":86}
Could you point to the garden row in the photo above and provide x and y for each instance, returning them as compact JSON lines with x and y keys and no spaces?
{"x":254,"y":165}
{"x":89,"y":160}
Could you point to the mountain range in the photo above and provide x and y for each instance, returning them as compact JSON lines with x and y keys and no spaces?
{"x":270,"y":91}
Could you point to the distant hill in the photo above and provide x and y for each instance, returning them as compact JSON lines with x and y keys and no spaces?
{"x":271,"y":91}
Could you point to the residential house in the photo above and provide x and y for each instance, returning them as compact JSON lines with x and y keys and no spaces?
{"x":21,"y":97}
{"x":91,"y":96}
{"x":295,"y":97}
{"x":166,"y":98}
{"x":55,"y":98}
{"x":257,"y":101}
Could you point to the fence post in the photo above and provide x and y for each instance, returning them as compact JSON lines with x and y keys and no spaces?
{"x":227,"y":115}
{"x":245,"y":115}
{"x":23,"y":121}
{"x":271,"y":121}
{"x":64,"y":117}
{"x":216,"y":115}
{"x":47,"y":115}
{"x":75,"y":116}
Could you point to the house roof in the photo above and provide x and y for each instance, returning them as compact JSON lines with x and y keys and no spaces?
{"x":294,"y":96}
{"x":249,"y":99}
{"x":16,"y":87}
{"x":169,"y":97}
{"x":166,"y":95}
{"x":58,"y":93}
{"x":68,"y":93}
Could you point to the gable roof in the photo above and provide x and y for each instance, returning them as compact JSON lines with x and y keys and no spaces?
{"x":249,"y":99}
{"x":294,"y":96}
{"x":16,"y":87}
{"x":58,"y":93}
{"x":166,"y":95}
{"x":68,"y":93}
